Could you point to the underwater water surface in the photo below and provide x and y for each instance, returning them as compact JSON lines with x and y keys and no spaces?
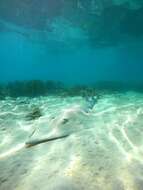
{"x":71,"y":95}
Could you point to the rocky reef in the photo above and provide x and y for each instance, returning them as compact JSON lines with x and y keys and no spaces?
{"x":31,"y":88}
{"x":36,"y":88}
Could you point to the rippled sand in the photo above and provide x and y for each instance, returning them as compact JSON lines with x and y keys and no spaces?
{"x":104,"y":149}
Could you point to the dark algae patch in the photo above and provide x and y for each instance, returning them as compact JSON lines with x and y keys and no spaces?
{"x":34,"y":114}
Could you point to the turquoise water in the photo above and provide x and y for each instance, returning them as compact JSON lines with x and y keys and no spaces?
{"x":26,"y":60}
{"x":71,"y":95}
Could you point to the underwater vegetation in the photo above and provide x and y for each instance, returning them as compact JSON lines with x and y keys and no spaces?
{"x":30,"y":88}
{"x":34,"y":88}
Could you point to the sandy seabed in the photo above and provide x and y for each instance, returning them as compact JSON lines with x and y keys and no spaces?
{"x":104,"y":149}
